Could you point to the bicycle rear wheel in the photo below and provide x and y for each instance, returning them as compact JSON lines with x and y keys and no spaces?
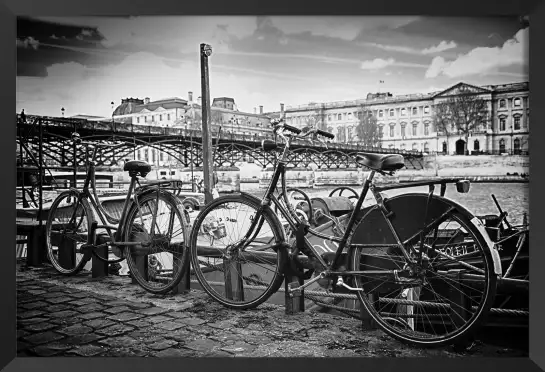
{"x":456,"y":286}
{"x":236,"y":274}
{"x":160,"y":262}
{"x":66,"y":231}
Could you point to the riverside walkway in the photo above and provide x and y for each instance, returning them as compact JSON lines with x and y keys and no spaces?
{"x":82,"y":316}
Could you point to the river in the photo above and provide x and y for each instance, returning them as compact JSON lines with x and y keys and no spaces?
{"x":512,"y":197}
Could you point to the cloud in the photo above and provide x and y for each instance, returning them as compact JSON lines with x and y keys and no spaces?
{"x":484,"y":60}
{"x":377,"y":63}
{"x":442,"y":46}
{"x":29,"y":42}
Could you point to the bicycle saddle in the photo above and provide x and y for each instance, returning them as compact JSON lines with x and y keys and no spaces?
{"x":137,"y":166}
{"x":387,"y":163}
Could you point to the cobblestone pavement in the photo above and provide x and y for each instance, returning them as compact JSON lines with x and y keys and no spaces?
{"x":82,"y":316}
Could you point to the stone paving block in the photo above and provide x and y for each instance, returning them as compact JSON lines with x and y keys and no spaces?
{"x":170,"y":326}
{"x":39,"y":327}
{"x":192,"y":321}
{"x":163,"y":344}
{"x":175,"y":353}
{"x":117,"y":310}
{"x":115,"y":330}
{"x":93,"y":315}
{"x":90,"y":308}
{"x":158,"y":319}
{"x":50,"y":349}
{"x":83,"y":339}
{"x":59,"y":300}
{"x":151,"y":311}
{"x":75,"y":330}
{"x":23,"y":322}
{"x":81,"y":295}
{"x":177,"y":314}
{"x":56,"y":308}
{"x":87,"y":350}
{"x":217,"y":354}
{"x":63,"y":314}
{"x":34,"y":305}
{"x":202,"y":345}
{"x":125,"y":317}
{"x":98,"y":323}
{"x":119,"y":342}
{"x":239,"y":347}
{"x":140,"y":323}
{"x":30,"y":314}
{"x":54,"y":294}
{"x":42,"y":338}
{"x":137,"y":305}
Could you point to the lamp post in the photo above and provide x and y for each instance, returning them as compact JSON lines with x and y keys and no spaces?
{"x":208,"y":161}
{"x":62,"y":111}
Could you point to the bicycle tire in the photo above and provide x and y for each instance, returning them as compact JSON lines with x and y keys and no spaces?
{"x":251,"y":288}
{"x":57,"y":216}
{"x":151,"y":271}
{"x":383,"y":309}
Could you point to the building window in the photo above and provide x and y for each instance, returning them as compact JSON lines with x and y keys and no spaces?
{"x":517,"y":122}
{"x":153,"y":156}
{"x":160,"y":117}
{"x":340,"y":134}
{"x":138,"y":155}
{"x":146,"y":155}
{"x":145,"y":119}
{"x":427,"y":110}
{"x":403,"y":112}
{"x":390,"y":146}
{"x":415,"y":146}
{"x":391,"y":112}
{"x":502,"y":146}
{"x":339,"y":117}
{"x":359,"y":114}
{"x":426,"y":129}
{"x":476,"y":145}
{"x":349,"y":116}
{"x":328,"y":117}
{"x":137,"y":120}
{"x":161,"y":156}
{"x":444,"y":147}
{"x":415,"y":110}
{"x":152,"y":118}
{"x":502,"y":123}
{"x":516,"y":102}
{"x":349,"y":134}
{"x":516,"y":146}
{"x":392,"y":130}
{"x":403,"y":130}
{"x":426,"y":147}
{"x":502,"y":103}
{"x":381,"y":131}
{"x":380,"y":114}
{"x":414,"y":129}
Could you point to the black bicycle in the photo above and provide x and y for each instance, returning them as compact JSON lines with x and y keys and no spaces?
{"x":422,"y":265}
{"x":151,"y":232}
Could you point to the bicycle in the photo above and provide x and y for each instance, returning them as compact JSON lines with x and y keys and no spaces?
{"x":395,"y":258}
{"x":150,"y":230}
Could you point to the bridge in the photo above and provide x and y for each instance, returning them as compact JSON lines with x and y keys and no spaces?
{"x":50,"y":137}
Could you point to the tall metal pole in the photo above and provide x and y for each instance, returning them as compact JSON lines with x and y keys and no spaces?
{"x":208,"y":161}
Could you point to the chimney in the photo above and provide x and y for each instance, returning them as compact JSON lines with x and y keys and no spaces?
{"x":261,"y":110}
{"x":146,"y":100}
{"x":199,"y":100}
{"x":282,"y":108}
{"x":190,"y":96}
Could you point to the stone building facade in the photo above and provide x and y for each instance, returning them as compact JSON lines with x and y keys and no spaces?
{"x":406,"y":122}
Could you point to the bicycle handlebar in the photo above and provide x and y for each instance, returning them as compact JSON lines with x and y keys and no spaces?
{"x":279,"y":124}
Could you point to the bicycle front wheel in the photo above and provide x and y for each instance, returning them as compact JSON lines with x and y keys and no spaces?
{"x":239,"y":273}
{"x":66,"y":231}
{"x":159,"y":262}
{"x":446,"y":294}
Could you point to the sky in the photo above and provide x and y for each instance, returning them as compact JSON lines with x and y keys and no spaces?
{"x":83,"y":64}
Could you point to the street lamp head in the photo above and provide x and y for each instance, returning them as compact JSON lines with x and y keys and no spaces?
{"x":207,"y":50}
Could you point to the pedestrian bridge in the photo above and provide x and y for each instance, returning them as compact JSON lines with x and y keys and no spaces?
{"x":52,"y":135}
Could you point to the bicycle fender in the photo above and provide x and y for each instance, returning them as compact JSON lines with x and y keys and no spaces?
{"x":491,"y":245}
{"x":409,"y":211}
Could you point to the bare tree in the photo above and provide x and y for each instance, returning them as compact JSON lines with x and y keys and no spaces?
{"x":367,"y":129}
{"x":462,"y":114}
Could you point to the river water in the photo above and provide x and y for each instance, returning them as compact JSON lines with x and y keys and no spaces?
{"x":512,"y":197}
